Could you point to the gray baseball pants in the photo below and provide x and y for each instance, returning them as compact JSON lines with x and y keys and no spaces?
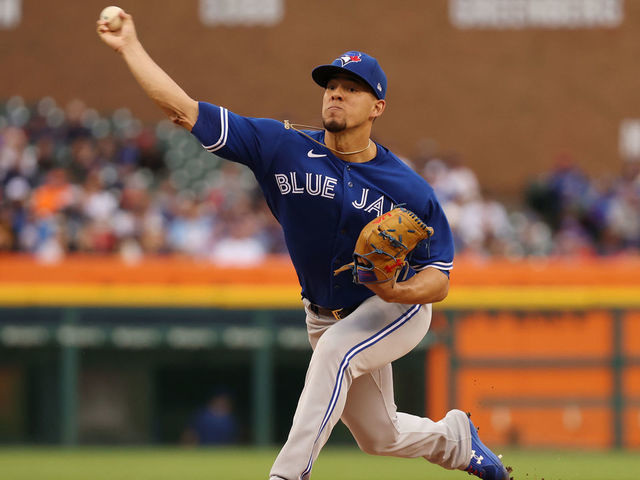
{"x":350,"y":378}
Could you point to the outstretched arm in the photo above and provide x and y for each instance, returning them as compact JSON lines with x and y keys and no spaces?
{"x":160,"y":87}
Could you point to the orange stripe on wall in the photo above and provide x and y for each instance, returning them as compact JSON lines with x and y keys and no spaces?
{"x":550,"y":271}
{"x":467,"y":271}
{"x":156,"y":270}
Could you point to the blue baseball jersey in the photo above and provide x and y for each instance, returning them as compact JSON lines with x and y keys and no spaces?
{"x":322,"y":202}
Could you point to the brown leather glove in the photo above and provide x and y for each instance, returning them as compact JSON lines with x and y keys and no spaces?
{"x":383,"y":245}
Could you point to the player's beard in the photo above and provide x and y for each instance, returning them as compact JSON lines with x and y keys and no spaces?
{"x":334,"y":126}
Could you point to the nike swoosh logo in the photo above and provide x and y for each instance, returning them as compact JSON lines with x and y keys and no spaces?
{"x":310,"y":154}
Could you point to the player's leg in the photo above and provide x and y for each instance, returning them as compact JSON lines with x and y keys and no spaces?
{"x":372,"y":336}
{"x":371,"y":416}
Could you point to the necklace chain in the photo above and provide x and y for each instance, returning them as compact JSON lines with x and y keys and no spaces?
{"x":294,"y":126}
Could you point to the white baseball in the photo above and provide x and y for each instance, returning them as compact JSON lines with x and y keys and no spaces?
{"x":112,"y":15}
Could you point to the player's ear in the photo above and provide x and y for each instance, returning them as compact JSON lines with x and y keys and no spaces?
{"x":378,"y":108}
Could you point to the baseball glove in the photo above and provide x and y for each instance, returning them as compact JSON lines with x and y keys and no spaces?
{"x":383,"y":245}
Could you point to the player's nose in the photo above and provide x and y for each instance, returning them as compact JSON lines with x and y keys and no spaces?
{"x":337,"y":93}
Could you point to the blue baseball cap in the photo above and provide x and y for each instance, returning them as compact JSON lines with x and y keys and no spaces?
{"x":359,"y":64}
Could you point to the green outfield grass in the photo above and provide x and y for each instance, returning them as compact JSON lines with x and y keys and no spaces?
{"x":253,"y":464}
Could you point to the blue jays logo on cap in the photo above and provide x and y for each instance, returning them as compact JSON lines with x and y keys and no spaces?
{"x":359,"y":64}
{"x":349,"y":58}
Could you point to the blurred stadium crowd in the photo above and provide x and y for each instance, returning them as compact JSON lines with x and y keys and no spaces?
{"x":75,"y":180}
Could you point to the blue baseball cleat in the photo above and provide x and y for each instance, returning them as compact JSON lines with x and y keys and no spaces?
{"x":484,"y":463}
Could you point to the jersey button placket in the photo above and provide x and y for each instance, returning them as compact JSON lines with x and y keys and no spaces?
{"x":346,"y":176}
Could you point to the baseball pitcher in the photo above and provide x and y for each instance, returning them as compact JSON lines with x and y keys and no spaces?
{"x":369,"y":242}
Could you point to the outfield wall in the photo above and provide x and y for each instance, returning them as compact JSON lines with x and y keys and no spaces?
{"x":545,"y":353}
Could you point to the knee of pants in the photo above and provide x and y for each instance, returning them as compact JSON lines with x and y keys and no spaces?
{"x":378,"y":445}
{"x":373,"y":436}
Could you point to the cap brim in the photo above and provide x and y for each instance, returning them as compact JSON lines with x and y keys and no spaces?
{"x":323,"y":73}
